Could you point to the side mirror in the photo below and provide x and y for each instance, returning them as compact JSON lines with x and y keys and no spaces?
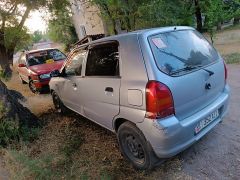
{"x":21,"y":65}
{"x":55,"y":73}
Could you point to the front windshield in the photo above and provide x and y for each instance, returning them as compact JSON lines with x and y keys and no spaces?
{"x":177,"y":50}
{"x":45,"y":57}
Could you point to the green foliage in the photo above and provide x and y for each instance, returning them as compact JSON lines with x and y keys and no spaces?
{"x":4,"y":76}
{"x":72,"y":143}
{"x":11,"y":131}
{"x":131,"y":15}
{"x":165,"y":13}
{"x":13,"y":34}
{"x":60,"y":26}
{"x":37,"y":36}
{"x":28,"y":134}
{"x":33,"y":168}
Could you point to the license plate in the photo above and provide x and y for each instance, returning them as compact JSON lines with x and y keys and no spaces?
{"x":205,"y":122}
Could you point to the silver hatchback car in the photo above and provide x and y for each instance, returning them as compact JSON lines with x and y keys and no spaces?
{"x":160,"y":90}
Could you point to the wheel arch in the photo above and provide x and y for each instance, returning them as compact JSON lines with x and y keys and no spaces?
{"x":51,"y":91}
{"x":119,"y":121}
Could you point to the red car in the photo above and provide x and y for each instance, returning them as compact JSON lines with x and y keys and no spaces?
{"x":34,"y":67}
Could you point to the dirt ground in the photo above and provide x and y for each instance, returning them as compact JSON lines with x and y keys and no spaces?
{"x":215,"y":156}
{"x":228,"y":42}
{"x":38,"y":104}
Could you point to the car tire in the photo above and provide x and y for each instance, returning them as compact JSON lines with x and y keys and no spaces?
{"x":33,"y":88}
{"x":135,"y":148}
{"x":58,"y":104}
{"x":22,"y":81}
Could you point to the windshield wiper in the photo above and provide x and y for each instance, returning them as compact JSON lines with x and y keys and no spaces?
{"x":191,"y":67}
{"x":187,"y":68}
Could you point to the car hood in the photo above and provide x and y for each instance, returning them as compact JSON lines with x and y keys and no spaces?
{"x":46,"y":68}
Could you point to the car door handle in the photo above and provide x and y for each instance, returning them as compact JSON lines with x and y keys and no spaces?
{"x":109,"y":89}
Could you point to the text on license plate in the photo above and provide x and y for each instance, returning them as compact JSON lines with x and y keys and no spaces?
{"x":205,"y":122}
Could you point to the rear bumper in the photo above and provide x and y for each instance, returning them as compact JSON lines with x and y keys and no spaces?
{"x":170,"y":136}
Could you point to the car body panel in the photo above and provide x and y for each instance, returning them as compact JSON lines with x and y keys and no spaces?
{"x":46,"y":68}
{"x":170,"y":136}
{"x":192,"y":101}
{"x":33,"y":72}
{"x":98,"y":104}
{"x":189,"y":92}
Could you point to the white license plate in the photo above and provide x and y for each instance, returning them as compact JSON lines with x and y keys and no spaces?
{"x":205,"y":122}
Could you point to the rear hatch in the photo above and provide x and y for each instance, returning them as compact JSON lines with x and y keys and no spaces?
{"x":194,"y":69}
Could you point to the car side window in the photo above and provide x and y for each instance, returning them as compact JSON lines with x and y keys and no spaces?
{"x":74,"y":65}
{"x":103,"y":60}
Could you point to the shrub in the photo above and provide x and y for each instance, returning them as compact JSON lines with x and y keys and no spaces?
{"x":11,"y":130}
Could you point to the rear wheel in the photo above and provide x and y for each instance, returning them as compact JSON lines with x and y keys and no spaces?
{"x":59,"y":106}
{"x":135,"y":148}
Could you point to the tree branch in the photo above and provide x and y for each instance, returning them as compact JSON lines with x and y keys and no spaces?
{"x":24,"y":17}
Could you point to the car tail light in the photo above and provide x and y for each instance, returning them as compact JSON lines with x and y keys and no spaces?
{"x":225,"y":71}
{"x":159,"y":100}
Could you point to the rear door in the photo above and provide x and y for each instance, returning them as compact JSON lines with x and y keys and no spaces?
{"x":101,"y":84}
{"x":71,"y":86}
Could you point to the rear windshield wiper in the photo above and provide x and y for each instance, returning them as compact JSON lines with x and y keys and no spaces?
{"x":187,"y":68}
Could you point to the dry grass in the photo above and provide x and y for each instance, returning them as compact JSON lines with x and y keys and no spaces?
{"x":233,"y":58}
{"x":78,"y":149}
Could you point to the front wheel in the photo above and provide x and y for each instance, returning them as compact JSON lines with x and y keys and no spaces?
{"x":22,"y":81}
{"x":32,"y":87}
{"x":59,"y":106}
{"x":135,"y":148}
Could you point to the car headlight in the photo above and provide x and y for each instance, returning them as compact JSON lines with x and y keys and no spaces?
{"x":45,"y":76}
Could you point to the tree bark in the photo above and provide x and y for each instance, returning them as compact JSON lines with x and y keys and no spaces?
{"x":198,"y":15}
{"x":5,"y":56}
{"x":219,"y":26}
{"x":24,"y":17}
{"x":15,"y":110}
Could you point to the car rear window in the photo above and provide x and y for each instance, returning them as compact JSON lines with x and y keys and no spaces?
{"x":47,"y":56}
{"x":177,"y":52}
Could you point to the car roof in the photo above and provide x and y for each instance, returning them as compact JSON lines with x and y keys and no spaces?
{"x":39,"y":50}
{"x":144,"y":32}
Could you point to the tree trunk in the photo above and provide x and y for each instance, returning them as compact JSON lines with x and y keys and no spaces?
{"x":198,"y":15}
{"x":219,"y":26}
{"x":15,"y":110}
{"x":236,"y":20}
{"x":24,"y":17}
{"x":5,"y":56}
